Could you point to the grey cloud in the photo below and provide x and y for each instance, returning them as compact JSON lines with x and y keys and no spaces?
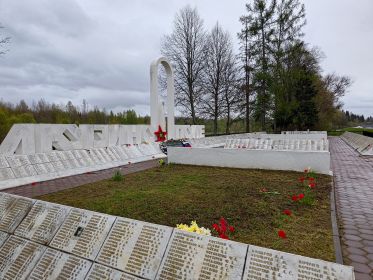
{"x":101,"y":50}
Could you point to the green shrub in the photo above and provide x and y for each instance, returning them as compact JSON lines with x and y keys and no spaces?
{"x":118,"y":176}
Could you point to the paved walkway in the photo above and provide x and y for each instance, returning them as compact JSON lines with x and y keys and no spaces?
{"x":353,"y":177}
{"x":40,"y":188}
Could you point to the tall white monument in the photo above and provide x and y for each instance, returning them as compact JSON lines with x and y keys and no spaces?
{"x":157,"y":114}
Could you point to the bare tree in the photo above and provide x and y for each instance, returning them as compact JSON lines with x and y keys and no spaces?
{"x":3,"y":41}
{"x":185,"y":48}
{"x":231,"y":92}
{"x":219,"y":60}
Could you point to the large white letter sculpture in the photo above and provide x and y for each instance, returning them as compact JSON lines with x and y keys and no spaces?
{"x":156,"y":108}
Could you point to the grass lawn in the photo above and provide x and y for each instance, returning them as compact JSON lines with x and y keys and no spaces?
{"x":349,"y":129}
{"x":175,"y":194}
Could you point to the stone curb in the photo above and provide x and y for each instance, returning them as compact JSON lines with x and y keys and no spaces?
{"x":336,"y":236}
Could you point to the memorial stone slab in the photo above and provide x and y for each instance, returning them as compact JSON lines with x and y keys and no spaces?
{"x":111,"y":155}
{"x":129,"y":152}
{"x":24,"y":171}
{"x":34,"y":159}
{"x":52,"y":157}
{"x":104,"y":154}
{"x":40,"y":169}
{"x":99,"y":156}
{"x":12,"y":211}
{"x":76,"y":154}
{"x":94,"y":157}
{"x":101,"y":272}
{"x":23,"y":159}
{"x":3,"y":162}
{"x":193,"y":256}
{"x":81,"y":162}
{"x":136,"y":151}
{"x":58,"y":265}
{"x":135,"y":247}
{"x":49,"y":166}
{"x":67,"y":164}
{"x":123,"y":156}
{"x":13,"y":161}
{"x":58,"y":166}
{"x":3,"y":237}
{"x":83,"y":233}
{"x":42,"y":222}
{"x":263,"y":263}
{"x":6,"y":174}
{"x":18,"y":257}
{"x":61,"y":155}
{"x":68,"y":154}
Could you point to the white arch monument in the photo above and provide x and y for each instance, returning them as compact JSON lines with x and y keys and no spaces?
{"x":157,"y":114}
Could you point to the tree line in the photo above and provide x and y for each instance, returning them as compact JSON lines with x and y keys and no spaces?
{"x":44,"y":112}
{"x":275,"y":81}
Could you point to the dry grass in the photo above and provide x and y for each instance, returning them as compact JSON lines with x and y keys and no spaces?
{"x":179,"y":194}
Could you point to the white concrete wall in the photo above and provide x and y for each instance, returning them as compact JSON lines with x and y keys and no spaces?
{"x":241,"y":158}
{"x":42,"y":138}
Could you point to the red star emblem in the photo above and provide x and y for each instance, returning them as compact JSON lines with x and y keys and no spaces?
{"x":161,"y":135}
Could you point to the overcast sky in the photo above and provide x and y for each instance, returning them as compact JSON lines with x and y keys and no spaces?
{"x":100,"y":50}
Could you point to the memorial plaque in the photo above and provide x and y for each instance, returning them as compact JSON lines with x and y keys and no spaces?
{"x":61,"y":155}
{"x":82,"y":233}
{"x":3,"y":237}
{"x":43,"y":157}
{"x":99,"y":156}
{"x":67,"y":164}
{"x":3,"y":162}
{"x":12,"y":211}
{"x":101,"y":272}
{"x":49,"y":166}
{"x":6,"y":174}
{"x":76,"y":154}
{"x":52,"y":157}
{"x":104,"y":154}
{"x":23,"y":159}
{"x":113,"y":153}
{"x":194,"y":256}
{"x":58,"y":265}
{"x":13,"y":161}
{"x":24,"y":171}
{"x":68,"y":154}
{"x":120,"y":152}
{"x":58,"y":166}
{"x":80,"y":162}
{"x":40,"y":169}
{"x":42,"y":222}
{"x":18,"y":257}
{"x":129,"y":152}
{"x":136,"y":151}
{"x":94,"y":157}
{"x":34,"y":159}
{"x":86,"y":158}
{"x":135,"y":247}
{"x":265,"y":263}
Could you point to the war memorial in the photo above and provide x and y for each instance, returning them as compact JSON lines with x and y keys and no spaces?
{"x":43,"y":240}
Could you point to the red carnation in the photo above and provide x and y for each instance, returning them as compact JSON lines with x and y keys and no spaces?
{"x":287,"y":212}
{"x":311,"y":179}
{"x":301,"y":196}
{"x":312,"y":185}
{"x":216,"y":227}
{"x":294,"y":198}
{"x":301,"y":179}
{"x":223,"y":224}
{"x":282,"y":234}
{"x":223,"y":235}
{"x":305,"y":170}
{"x":231,"y":229}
